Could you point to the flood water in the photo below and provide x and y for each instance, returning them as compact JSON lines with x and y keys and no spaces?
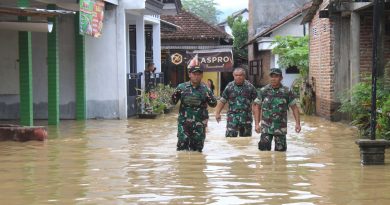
{"x":135,"y":162}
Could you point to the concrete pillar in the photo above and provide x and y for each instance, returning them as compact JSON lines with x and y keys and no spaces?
{"x":121,"y":42}
{"x":157,"y":46}
{"x":355,"y":48}
{"x":53,"y":72}
{"x":25,"y":72}
{"x":81,"y":105}
{"x":140,"y":36}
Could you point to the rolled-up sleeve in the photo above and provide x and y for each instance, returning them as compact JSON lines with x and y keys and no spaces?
{"x":292,"y":100}
{"x":225,"y":96}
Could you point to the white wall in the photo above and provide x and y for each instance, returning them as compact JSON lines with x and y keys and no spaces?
{"x":133,"y":4}
{"x":292,"y":28}
{"x":9,"y":72}
{"x":67,"y":67}
{"x":9,"y":66}
{"x":106,"y":70}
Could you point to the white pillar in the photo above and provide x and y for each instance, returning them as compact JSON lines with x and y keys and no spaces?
{"x":140,"y":36}
{"x":355,"y":48}
{"x":276,"y":60}
{"x":157,"y":46}
{"x":121,"y":43}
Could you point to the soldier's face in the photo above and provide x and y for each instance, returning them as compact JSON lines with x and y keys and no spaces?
{"x":276,"y":80}
{"x":196,"y":77}
{"x":239,"y":77}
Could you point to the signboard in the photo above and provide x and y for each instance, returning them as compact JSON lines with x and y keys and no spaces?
{"x":217,"y":60}
{"x":91,"y":17}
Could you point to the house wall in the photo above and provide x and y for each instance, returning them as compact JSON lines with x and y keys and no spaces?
{"x":267,"y":13}
{"x":321,"y":65}
{"x":292,"y":28}
{"x":9,"y":70}
{"x":366,"y":45}
{"x":265,"y":58}
{"x":105,"y":71}
{"x":106,"y":76}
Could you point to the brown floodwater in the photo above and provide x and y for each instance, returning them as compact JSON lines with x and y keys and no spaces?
{"x":135,"y":162}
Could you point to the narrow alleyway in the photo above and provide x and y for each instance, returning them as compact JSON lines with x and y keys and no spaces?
{"x":135,"y":162}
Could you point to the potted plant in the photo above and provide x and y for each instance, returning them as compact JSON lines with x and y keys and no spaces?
{"x":164,"y":95}
{"x":149,"y":104}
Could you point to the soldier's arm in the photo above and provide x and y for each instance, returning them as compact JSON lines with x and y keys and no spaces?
{"x":221,"y":104}
{"x":211,"y":100}
{"x":296,"y":117}
{"x":176,"y":96}
{"x":293,"y":104}
{"x":256,"y":114}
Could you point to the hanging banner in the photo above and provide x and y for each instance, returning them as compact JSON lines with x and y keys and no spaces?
{"x":91,"y":17}
{"x":217,"y":60}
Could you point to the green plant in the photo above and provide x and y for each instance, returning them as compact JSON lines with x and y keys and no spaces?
{"x":357,"y":103}
{"x":164,"y":94}
{"x":148,"y":103}
{"x":293,"y":51}
{"x":239,"y":28}
{"x":384,"y":119}
{"x":156,"y":100}
{"x":205,"y":9}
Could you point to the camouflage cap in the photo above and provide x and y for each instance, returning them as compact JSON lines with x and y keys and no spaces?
{"x":276,"y":71}
{"x":194,"y":69}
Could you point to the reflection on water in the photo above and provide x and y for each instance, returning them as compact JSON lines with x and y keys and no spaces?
{"x":134,"y":161}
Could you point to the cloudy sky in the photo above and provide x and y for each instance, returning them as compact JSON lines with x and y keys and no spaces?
{"x":230,"y":6}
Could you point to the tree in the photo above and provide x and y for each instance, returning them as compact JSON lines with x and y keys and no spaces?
{"x":293,"y":51}
{"x":205,"y":9}
{"x":240,"y":33}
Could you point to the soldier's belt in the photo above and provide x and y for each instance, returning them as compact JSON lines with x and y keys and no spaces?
{"x":191,"y":106}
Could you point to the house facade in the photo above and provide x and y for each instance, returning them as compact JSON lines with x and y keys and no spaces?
{"x":341,"y":49}
{"x":188,"y":34}
{"x":264,"y":42}
{"x":268,"y":19}
{"x":88,"y":78}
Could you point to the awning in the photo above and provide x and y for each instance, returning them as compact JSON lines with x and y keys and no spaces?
{"x":24,"y":11}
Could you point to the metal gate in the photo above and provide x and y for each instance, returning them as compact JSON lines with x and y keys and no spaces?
{"x":134,"y":83}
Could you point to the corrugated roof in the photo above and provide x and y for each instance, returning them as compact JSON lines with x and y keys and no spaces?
{"x":192,"y":27}
{"x":24,"y":11}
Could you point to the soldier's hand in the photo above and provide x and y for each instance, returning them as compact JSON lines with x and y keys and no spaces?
{"x":257,"y":129}
{"x":218,"y":117}
{"x":297,"y":128}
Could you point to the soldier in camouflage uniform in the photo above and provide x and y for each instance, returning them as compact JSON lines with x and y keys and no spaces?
{"x":193,"y":114}
{"x":241,"y":96}
{"x":275,"y":101}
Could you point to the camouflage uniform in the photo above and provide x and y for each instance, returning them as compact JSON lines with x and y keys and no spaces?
{"x":274,"y":107}
{"x":193,"y":115}
{"x":239,"y":116}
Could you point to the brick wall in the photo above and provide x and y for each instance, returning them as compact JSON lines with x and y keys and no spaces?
{"x":366,"y":44}
{"x":322,"y":64}
{"x":265,"y":58}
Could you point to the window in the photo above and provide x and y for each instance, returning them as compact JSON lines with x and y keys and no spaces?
{"x":255,"y":67}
